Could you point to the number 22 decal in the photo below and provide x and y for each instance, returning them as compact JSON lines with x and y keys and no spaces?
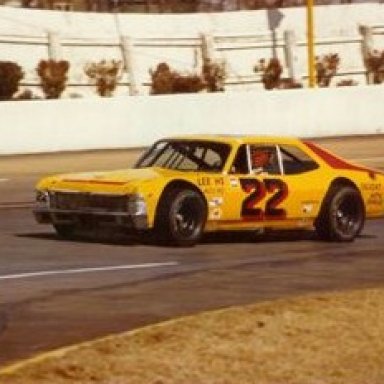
{"x":257,"y":190}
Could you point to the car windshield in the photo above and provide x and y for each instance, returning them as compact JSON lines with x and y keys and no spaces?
{"x":186,"y":155}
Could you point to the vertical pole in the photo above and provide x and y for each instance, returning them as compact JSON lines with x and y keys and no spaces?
{"x":367,"y":49}
{"x":129,"y":64}
{"x":310,"y":44}
{"x":148,"y":5}
{"x":291,"y":56}
{"x":208,"y":50}
{"x":54,"y":46}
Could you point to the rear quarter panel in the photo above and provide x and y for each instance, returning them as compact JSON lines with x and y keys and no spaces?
{"x":371,"y":187}
{"x":372,"y":191}
{"x":370,"y":182}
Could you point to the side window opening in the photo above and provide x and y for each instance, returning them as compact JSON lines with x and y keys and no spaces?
{"x":256,"y":159}
{"x":240,"y":164}
{"x":186,"y":155}
{"x":296,"y":161}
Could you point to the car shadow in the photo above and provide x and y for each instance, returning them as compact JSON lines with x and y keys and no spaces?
{"x":222,"y":237}
{"x":226,"y":237}
{"x":84,"y":238}
{"x":259,"y":237}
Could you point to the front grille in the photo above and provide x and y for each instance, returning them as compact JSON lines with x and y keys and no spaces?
{"x":77,"y":201}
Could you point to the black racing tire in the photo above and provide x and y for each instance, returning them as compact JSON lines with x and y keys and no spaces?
{"x":342,"y":214}
{"x":65,"y":231}
{"x":181,"y":217}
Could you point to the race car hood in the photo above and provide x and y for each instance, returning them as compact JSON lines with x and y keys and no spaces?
{"x":105,"y":181}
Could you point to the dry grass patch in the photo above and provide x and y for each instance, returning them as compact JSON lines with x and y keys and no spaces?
{"x":332,"y":338}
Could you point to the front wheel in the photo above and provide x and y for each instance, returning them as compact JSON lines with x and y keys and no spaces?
{"x":65,"y":231}
{"x":181,"y":217}
{"x":342,"y":215}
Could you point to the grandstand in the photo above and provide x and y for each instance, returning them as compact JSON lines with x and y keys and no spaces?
{"x":164,"y":6}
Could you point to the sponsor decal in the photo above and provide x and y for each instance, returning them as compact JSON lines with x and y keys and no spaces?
{"x":307,"y":206}
{"x":233,"y":182}
{"x":215,"y":211}
{"x":213,"y":191}
{"x":375,"y":199}
{"x":206,"y":181}
{"x":216,"y":201}
{"x":215,"y":214}
{"x":371,"y":186}
{"x":211,"y":185}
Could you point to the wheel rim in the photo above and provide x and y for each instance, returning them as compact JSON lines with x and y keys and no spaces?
{"x":187,"y":217}
{"x":348,"y":216}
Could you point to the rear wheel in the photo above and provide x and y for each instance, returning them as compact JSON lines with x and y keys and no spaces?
{"x":181,"y":217}
{"x":342,"y":215}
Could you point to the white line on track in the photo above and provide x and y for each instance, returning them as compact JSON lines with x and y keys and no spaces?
{"x":86,"y":270}
{"x":3,"y":180}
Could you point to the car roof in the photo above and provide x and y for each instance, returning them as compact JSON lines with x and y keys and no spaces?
{"x":239,"y":139}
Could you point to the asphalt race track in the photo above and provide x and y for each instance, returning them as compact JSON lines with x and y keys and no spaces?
{"x":55,"y":292}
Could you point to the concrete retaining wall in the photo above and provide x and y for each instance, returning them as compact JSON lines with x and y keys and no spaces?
{"x":83,"y":124}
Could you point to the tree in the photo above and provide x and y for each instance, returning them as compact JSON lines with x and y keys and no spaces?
{"x":53,"y":75}
{"x":271,"y":75}
{"x":10,"y":76}
{"x":105,"y":74}
{"x":166,"y":81}
{"x":326,"y":68}
{"x":375,"y":66}
{"x":214,"y":75}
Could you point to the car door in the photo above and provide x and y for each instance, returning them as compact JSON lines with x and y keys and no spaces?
{"x":268,"y":196}
{"x":306,"y":184}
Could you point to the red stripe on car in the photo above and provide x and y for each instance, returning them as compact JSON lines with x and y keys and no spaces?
{"x":334,"y":161}
{"x":104,"y":182}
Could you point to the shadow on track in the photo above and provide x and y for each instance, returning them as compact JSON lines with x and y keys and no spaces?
{"x":109,"y":236}
{"x":116,"y":239}
{"x":225,"y":237}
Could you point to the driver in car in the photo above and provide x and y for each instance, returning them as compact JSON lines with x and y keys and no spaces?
{"x":261,"y":160}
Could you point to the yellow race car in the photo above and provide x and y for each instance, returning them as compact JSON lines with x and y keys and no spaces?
{"x":184,"y":186}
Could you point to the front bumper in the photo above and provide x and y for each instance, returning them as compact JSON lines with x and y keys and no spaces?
{"x":88,"y":210}
{"x":90,"y":218}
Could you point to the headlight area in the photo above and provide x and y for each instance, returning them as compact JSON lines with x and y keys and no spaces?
{"x":137,"y":209}
{"x":137,"y":205}
{"x":42,"y":199}
{"x":42,"y":206}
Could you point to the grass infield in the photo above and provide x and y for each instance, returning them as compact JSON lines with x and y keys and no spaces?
{"x":316,"y":339}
